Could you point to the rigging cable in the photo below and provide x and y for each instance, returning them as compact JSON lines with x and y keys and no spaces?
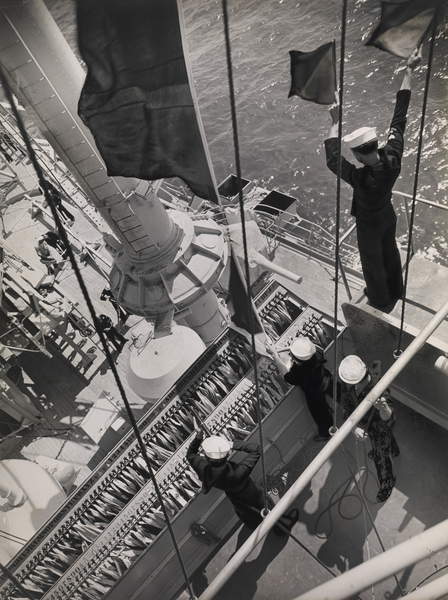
{"x":338,"y":213}
{"x":398,"y":350}
{"x":63,"y":235}
{"x":243,"y":226}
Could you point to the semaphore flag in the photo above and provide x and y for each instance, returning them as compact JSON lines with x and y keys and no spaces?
{"x":238,"y":294}
{"x":403,"y":25}
{"x":136,"y":98}
{"x":313,"y":74}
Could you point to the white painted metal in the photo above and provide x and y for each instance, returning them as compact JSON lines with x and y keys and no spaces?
{"x":382,"y":566}
{"x":162,"y":263}
{"x":437,"y":589}
{"x":270,"y":266}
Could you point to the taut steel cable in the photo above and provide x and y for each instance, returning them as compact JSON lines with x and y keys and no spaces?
{"x":417,"y":171}
{"x":243,"y":226}
{"x":338,"y":212}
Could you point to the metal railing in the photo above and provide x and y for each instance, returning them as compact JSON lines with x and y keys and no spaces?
{"x":382,"y":566}
{"x":302,"y":234}
{"x":55,"y":172}
{"x":297,"y":232}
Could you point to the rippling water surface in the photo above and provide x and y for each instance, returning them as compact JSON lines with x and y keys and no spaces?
{"x":281,"y":138}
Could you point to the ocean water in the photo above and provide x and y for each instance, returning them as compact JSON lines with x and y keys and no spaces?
{"x":281,"y":139}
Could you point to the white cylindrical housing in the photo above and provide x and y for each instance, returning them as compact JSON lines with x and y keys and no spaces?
{"x":206,"y":317}
{"x":154,"y":368}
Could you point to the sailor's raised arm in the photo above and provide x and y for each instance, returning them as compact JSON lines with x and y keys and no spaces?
{"x":282,"y":365}
{"x":395,"y":139}
{"x":331,"y":149}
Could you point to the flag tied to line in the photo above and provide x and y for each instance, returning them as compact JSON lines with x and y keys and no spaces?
{"x":403,"y":25}
{"x":313,"y":74}
{"x":245,"y":314}
{"x":136,"y":98}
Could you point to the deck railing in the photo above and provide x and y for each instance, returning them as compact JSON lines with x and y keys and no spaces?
{"x":282,"y":227}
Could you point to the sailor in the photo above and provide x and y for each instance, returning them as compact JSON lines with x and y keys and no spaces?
{"x":372,"y":193}
{"x":112,"y":334}
{"x":49,"y":256}
{"x":306,"y":368}
{"x":52,"y":238}
{"x":65,"y":215}
{"x":122,"y":314}
{"x":209,"y":457}
{"x":377,"y":424}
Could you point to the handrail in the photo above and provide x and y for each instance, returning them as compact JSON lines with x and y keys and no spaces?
{"x":346,"y":233}
{"x":328,"y":450}
{"x":382,"y":566}
{"x":65,"y":173}
{"x":422,"y":200}
{"x":75,"y":237}
{"x":276,"y":229}
{"x":431,"y":591}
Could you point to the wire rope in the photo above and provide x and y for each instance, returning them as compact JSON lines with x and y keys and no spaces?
{"x":63,"y":235}
{"x":245,"y":247}
{"x":398,"y":350}
{"x":338,"y":212}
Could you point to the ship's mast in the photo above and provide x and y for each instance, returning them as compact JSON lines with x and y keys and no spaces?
{"x":165,"y":264}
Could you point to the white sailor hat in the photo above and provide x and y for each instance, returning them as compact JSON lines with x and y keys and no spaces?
{"x":352,"y":369}
{"x":216,"y":447}
{"x":302,"y":348}
{"x":360,"y":136}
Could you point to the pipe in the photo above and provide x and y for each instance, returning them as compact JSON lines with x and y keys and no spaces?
{"x":431,"y":591}
{"x":382,"y":566}
{"x":422,"y":200}
{"x":260,"y":260}
{"x":304,"y":479}
{"x":346,"y":234}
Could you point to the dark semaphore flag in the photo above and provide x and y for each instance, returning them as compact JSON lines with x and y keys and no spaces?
{"x":403,"y":25}
{"x":136,"y":98}
{"x":238,"y":295}
{"x":313,"y":74}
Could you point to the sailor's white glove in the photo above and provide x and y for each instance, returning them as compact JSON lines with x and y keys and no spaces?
{"x":334,"y":113}
{"x":360,"y":433}
{"x":415,"y":59}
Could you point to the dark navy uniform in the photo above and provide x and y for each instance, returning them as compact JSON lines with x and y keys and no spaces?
{"x":231,"y":477}
{"x":384,"y":444}
{"x":375,"y":217}
{"x":112,"y":334}
{"x":314,"y":379}
{"x":122,"y":314}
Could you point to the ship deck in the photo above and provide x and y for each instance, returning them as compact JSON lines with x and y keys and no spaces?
{"x":336,"y":528}
{"x":332,"y":523}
